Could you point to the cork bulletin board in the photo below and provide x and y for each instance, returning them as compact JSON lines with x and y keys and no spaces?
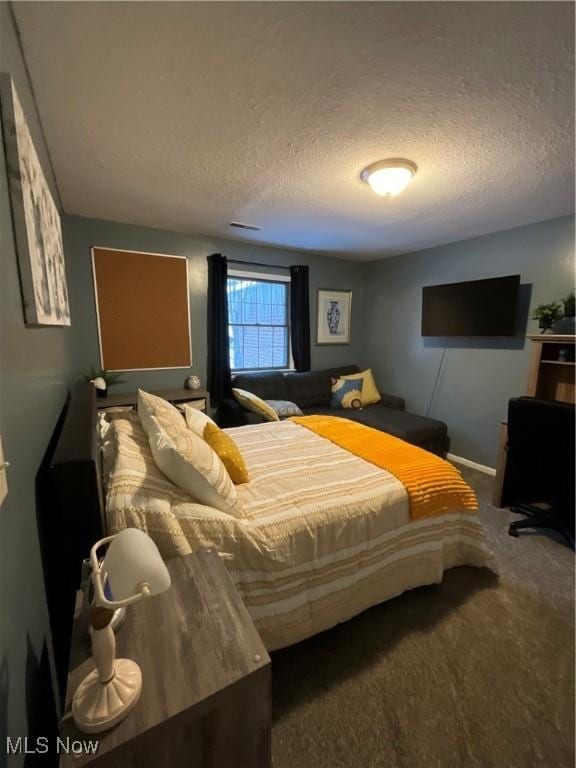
{"x":143,"y":311}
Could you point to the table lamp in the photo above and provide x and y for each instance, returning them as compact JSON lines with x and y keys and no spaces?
{"x":132,"y":569}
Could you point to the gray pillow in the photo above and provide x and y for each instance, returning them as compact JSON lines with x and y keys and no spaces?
{"x":284,"y":408}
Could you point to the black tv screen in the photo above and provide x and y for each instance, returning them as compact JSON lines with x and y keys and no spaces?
{"x":473,"y":308}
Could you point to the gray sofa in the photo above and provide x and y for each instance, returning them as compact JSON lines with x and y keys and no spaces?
{"x":311,"y":391}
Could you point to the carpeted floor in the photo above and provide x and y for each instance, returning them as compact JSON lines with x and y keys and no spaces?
{"x":476,"y":672}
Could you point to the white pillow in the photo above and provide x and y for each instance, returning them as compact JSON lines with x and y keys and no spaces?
{"x":196,"y":420}
{"x":187,"y":460}
{"x":152,"y":405}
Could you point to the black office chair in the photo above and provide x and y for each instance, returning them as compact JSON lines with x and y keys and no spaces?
{"x":540,"y":465}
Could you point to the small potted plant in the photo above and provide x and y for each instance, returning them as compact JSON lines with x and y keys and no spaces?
{"x":547,"y":315}
{"x":566,"y":323}
{"x":102,"y":380}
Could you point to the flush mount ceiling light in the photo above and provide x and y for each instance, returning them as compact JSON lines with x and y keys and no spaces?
{"x":389,"y":177}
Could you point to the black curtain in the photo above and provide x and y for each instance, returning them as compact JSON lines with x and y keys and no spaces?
{"x":219,"y":376}
{"x":300,"y":317}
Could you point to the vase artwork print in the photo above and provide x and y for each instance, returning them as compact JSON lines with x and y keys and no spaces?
{"x":333,"y":318}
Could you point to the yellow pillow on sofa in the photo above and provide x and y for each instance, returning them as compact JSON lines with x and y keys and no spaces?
{"x":255,"y":404}
{"x":228,"y":453}
{"x":370,"y":394}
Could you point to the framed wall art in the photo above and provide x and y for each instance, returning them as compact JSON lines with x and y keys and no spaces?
{"x":36,"y":220}
{"x":334,"y":315}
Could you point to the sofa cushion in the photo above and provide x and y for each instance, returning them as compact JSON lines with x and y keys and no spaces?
{"x":313,"y":389}
{"x":343,"y":370}
{"x":310,"y":389}
{"x":232,"y":414}
{"x":415,"y":429}
{"x":267,"y":385}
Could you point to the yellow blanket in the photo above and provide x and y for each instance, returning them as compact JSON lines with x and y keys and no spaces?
{"x":434,"y":486}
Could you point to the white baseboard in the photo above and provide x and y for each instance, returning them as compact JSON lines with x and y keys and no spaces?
{"x":473,"y":464}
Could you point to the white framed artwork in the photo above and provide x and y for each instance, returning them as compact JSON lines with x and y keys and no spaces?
{"x":36,"y":220}
{"x":334,"y":312}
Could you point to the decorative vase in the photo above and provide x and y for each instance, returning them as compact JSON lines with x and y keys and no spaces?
{"x":101,"y":386}
{"x":333,"y":318}
{"x":192,"y":382}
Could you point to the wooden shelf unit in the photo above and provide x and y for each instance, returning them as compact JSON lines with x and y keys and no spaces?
{"x":551,"y":378}
{"x":174,"y":396}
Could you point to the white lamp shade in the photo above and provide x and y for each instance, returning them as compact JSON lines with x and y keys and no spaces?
{"x":389,"y":177}
{"x":132,"y":560}
{"x":390,"y":181}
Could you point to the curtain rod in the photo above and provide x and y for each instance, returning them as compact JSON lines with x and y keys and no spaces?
{"x":256,"y":264}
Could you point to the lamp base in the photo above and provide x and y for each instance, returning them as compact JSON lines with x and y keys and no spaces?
{"x":99,"y":706}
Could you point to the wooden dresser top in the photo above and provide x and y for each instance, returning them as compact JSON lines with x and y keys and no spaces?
{"x":191,"y":642}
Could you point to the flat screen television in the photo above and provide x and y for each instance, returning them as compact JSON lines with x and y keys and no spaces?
{"x":473,"y":308}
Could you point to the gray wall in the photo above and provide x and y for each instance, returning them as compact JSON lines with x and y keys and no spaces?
{"x":34,"y":373}
{"x":81,"y":234}
{"x":478,"y":377}
{"x":37,"y":365}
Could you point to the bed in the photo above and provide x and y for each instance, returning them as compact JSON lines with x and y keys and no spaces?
{"x":321,"y":535}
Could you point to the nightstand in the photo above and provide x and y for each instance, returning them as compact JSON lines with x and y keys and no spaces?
{"x":206,"y":697}
{"x":173,"y":396}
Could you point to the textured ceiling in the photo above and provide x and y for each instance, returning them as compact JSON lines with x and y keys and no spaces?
{"x":187,"y":116}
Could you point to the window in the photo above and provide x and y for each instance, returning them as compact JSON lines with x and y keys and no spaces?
{"x":258,"y":324}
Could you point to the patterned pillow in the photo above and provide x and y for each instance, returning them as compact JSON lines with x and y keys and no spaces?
{"x":191,"y":464}
{"x":347,"y":393}
{"x":284,"y":408}
{"x":370,"y":392}
{"x":153,"y":406}
{"x":196,"y":420}
{"x":253,"y":403}
{"x":228,"y":452}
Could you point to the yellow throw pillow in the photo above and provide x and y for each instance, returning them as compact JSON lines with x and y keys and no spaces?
{"x":370,"y":394}
{"x":228,"y":452}
{"x":255,"y":404}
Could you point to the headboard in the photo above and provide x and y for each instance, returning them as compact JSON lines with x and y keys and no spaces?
{"x":70,"y":513}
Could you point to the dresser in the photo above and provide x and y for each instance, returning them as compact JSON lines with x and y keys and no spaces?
{"x":206,"y":696}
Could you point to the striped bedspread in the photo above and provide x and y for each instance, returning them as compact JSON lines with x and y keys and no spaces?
{"x":321,"y":534}
{"x":433,"y":485}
